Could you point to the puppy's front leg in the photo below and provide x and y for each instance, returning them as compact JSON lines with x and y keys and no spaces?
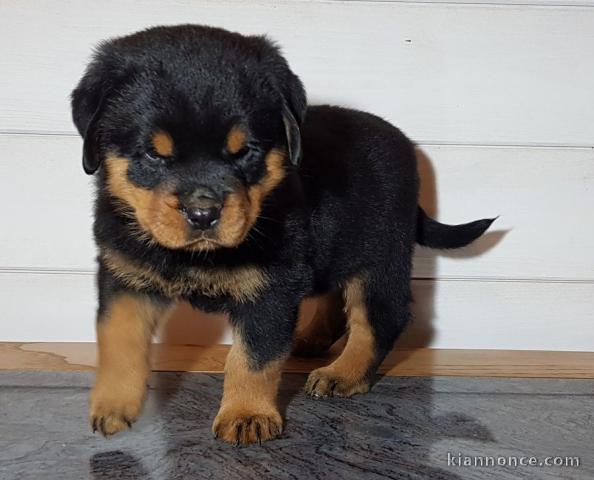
{"x":125,"y":326}
{"x":261,"y":344}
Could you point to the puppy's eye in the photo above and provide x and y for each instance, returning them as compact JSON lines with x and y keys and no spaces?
{"x":247,"y":151}
{"x":153,"y":157}
{"x":242,"y":152}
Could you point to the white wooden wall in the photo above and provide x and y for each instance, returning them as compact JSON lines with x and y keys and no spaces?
{"x":499,"y":95}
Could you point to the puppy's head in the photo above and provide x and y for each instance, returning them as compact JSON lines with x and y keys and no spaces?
{"x":190,"y":129}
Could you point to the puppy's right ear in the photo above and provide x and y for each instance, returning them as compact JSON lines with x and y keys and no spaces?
{"x":88,"y":103}
{"x":91,"y":158}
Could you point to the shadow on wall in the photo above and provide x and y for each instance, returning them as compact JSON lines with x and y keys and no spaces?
{"x":421,"y":331}
{"x":190,"y":327}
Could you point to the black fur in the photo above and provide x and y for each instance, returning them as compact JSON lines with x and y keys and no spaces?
{"x":432,"y":234}
{"x":349,"y":209}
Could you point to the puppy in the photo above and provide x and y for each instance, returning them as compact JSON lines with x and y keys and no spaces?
{"x":215,"y":186}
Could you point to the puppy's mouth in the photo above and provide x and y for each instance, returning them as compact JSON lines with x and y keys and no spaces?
{"x":203,"y":241}
{"x":172,"y":226}
{"x":163,"y":217}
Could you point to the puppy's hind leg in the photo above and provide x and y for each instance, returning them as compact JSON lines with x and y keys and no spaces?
{"x":377,"y":311}
{"x":315,"y":333}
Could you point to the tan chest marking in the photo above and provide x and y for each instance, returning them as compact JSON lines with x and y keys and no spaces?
{"x":242,"y":283}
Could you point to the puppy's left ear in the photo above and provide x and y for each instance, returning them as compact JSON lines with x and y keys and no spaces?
{"x":293,"y":135}
{"x":288,"y":89}
{"x":294,"y":108}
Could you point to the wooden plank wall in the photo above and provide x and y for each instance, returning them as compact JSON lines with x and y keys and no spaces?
{"x":497,"y":94}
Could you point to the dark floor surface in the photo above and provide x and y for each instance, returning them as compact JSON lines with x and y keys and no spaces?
{"x":404,"y":428}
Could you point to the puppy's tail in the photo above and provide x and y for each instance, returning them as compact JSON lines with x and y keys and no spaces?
{"x":433,"y":234}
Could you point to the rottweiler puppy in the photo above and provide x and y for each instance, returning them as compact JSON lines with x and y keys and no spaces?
{"x":217,"y":184}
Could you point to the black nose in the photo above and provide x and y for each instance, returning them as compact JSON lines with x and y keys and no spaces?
{"x":202,"y":208}
{"x":203,"y":218}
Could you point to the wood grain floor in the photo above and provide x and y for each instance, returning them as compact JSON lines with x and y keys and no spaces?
{"x":403,"y":429}
{"x":403,"y":362}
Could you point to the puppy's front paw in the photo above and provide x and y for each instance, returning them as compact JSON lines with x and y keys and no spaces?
{"x":112,"y":411}
{"x":326,"y":382}
{"x":243,"y":426}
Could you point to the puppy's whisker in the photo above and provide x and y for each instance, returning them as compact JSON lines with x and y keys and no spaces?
{"x":255,"y":242}
{"x":259,"y":232}
{"x":269,"y":219}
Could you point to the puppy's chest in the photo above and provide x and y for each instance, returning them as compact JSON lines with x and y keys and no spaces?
{"x":240,"y":283}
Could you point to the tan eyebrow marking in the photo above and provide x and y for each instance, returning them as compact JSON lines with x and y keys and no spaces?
{"x":236,"y":139}
{"x":162,"y":143}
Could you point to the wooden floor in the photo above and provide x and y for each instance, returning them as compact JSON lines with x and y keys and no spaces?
{"x":404,"y":428}
{"x":401,"y":362}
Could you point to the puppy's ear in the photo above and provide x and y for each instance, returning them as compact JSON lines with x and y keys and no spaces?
{"x":293,"y":135}
{"x":280,"y":80}
{"x":88,"y":102}
{"x":294,"y":107}
{"x":91,"y":158}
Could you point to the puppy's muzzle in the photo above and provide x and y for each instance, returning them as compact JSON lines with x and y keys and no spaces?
{"x":202,"y":209}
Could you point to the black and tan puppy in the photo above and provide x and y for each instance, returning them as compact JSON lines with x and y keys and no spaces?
{"x":215,"y":186}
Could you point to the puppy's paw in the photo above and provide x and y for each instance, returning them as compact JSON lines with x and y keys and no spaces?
{"x":111,"y":412}
{"x":244,"y":426}
{"x":325,"y":382}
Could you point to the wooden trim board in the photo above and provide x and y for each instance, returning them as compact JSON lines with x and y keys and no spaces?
{"x":405,"y":362}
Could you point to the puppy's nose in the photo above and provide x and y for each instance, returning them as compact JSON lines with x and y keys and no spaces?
{"x":203,"y":218}
{"x":202,"y":209}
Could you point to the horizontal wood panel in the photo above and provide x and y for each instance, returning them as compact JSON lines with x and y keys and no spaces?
{"x":496,"y":75}
{"x":45,"y":204}
{"x":543,"y":195}
{"x":54,"y":307}
{"x":541,"y":3}
{"x":544,"y":198}
{"x":401,"y":362}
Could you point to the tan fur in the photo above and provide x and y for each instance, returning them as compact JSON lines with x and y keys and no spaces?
{"x":275,"y":173}
{"x":163,"y":143}
{"x":234,"y":225}
{"x":241,"y":208}
{"x":248,"y":412}
{"x":321,"y":322}
{"x":347,"y":375}
{"x":236,"y":139}
{"x":242,"y":283}
{"x":124,"y":335}
{"x":156,"y":211}
{"x":159,"y":218}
